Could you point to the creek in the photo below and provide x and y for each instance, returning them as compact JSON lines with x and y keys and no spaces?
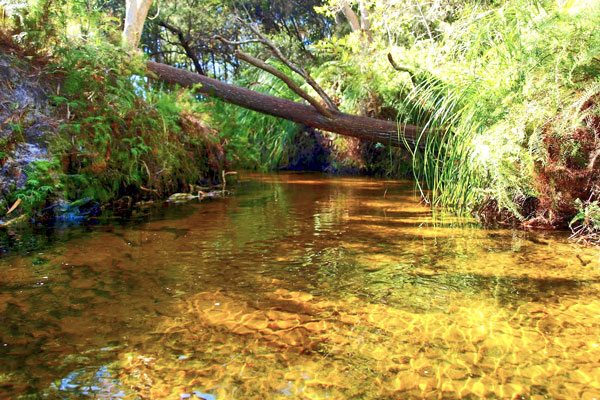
{"x":300,"y":286}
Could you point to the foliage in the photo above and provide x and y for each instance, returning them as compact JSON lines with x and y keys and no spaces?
{"x":586,"y":223}
{"x":50,"y":24}
{"x":253,"y":140}
{"x":292,"y":24}
{"x":485,"y":83}
{"x":494,"y":85}
{"x":123,"y":134}
{"x":119,"y":135}
{"x":43,"y":182}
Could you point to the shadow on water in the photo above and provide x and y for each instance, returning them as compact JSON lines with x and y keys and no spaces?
{"x":24,"y":240}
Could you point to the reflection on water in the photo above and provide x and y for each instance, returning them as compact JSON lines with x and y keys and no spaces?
{"x":301,"y":287}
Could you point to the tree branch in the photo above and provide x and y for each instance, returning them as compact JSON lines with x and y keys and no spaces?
{"x":300,"y":71}
{"x":365,"y":23}
{"x":351,"y":16}
{"x":424,"y":20}
{"x":184,"y":42}
{"x":401,"y":68}
{"x":236,"y":43}
{"x":286,"y":79}
{"x":387,"y":132}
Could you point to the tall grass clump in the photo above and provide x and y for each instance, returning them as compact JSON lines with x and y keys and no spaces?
{"x":484,"y":83}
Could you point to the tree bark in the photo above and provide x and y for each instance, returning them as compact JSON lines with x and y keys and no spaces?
{"x":351,"y":17}
{"x":372,"y":129}
{"x":364,"y":17}
{"x":286,"y":79}
{"x":136,"y":12}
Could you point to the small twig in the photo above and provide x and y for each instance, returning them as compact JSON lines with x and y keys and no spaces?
{"x":224,"y":181}
{"x":14,"y":221}
{"x":147,"y":170}
{"x":401,"y":68}
{"x":145,"y":189}
{"x":424,"y":20}
{"x":155,"y":16}
{"x":185,"y":43}
{"x":14,"y":206}
{"x":223,"y":175}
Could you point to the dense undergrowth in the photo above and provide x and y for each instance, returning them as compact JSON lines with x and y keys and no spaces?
{"x":507,"y":94}
{"x":118,"y":136}
{"x":262,"y":142}
{"x":511,"y":90}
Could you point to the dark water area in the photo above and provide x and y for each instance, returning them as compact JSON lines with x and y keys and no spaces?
{"x":299,"y":286}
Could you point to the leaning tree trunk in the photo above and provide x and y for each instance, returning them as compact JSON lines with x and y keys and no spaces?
{"x":376,"y":130}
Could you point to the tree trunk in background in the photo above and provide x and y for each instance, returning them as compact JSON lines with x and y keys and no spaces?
{"x":365,"y":25}
{"x":351,"y":16}
{"x":135,"y":16}
{"x":376,"y":130}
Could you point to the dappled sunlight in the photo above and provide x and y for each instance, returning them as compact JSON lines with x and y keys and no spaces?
{"x":315,"y":293}
{"x":295,"y":344}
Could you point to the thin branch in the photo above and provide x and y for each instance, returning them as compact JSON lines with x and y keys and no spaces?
{"x":165,"y":52}
{"x":184,"y":42}
{"x":401,"y":68}
{"x":301,"y":40}
{"x":424,"y":20}
{"x":364,"y":17}
{"x":286,"y":79}
{"x":234,"y":43}
{"x":300,"y":71}
{"x":365,"y":21}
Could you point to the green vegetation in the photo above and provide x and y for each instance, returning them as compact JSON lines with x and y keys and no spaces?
{"x":43,"y":182}
{"x":490,"y":79}
{"x":118,"y":134}
{"x":506,"y":93}
{"x":255,"y":141}
{"x":586,"y":223}
{"x":119,"y":139}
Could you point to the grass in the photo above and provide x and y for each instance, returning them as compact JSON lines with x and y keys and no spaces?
{"x":488,"y":85}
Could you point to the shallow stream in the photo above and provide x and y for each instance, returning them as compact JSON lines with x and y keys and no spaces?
{"x":299,"y":287}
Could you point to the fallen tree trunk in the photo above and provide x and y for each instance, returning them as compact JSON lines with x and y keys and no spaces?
{"x":372,"y":129}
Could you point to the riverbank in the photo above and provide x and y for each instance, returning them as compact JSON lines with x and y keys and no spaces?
{"x":79,"y":135}
{"x":95,"y":130}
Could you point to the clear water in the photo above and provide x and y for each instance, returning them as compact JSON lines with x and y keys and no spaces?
{"x":300,"y":287}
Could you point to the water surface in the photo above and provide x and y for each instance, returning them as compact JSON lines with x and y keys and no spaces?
{"x":304,"y":287}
